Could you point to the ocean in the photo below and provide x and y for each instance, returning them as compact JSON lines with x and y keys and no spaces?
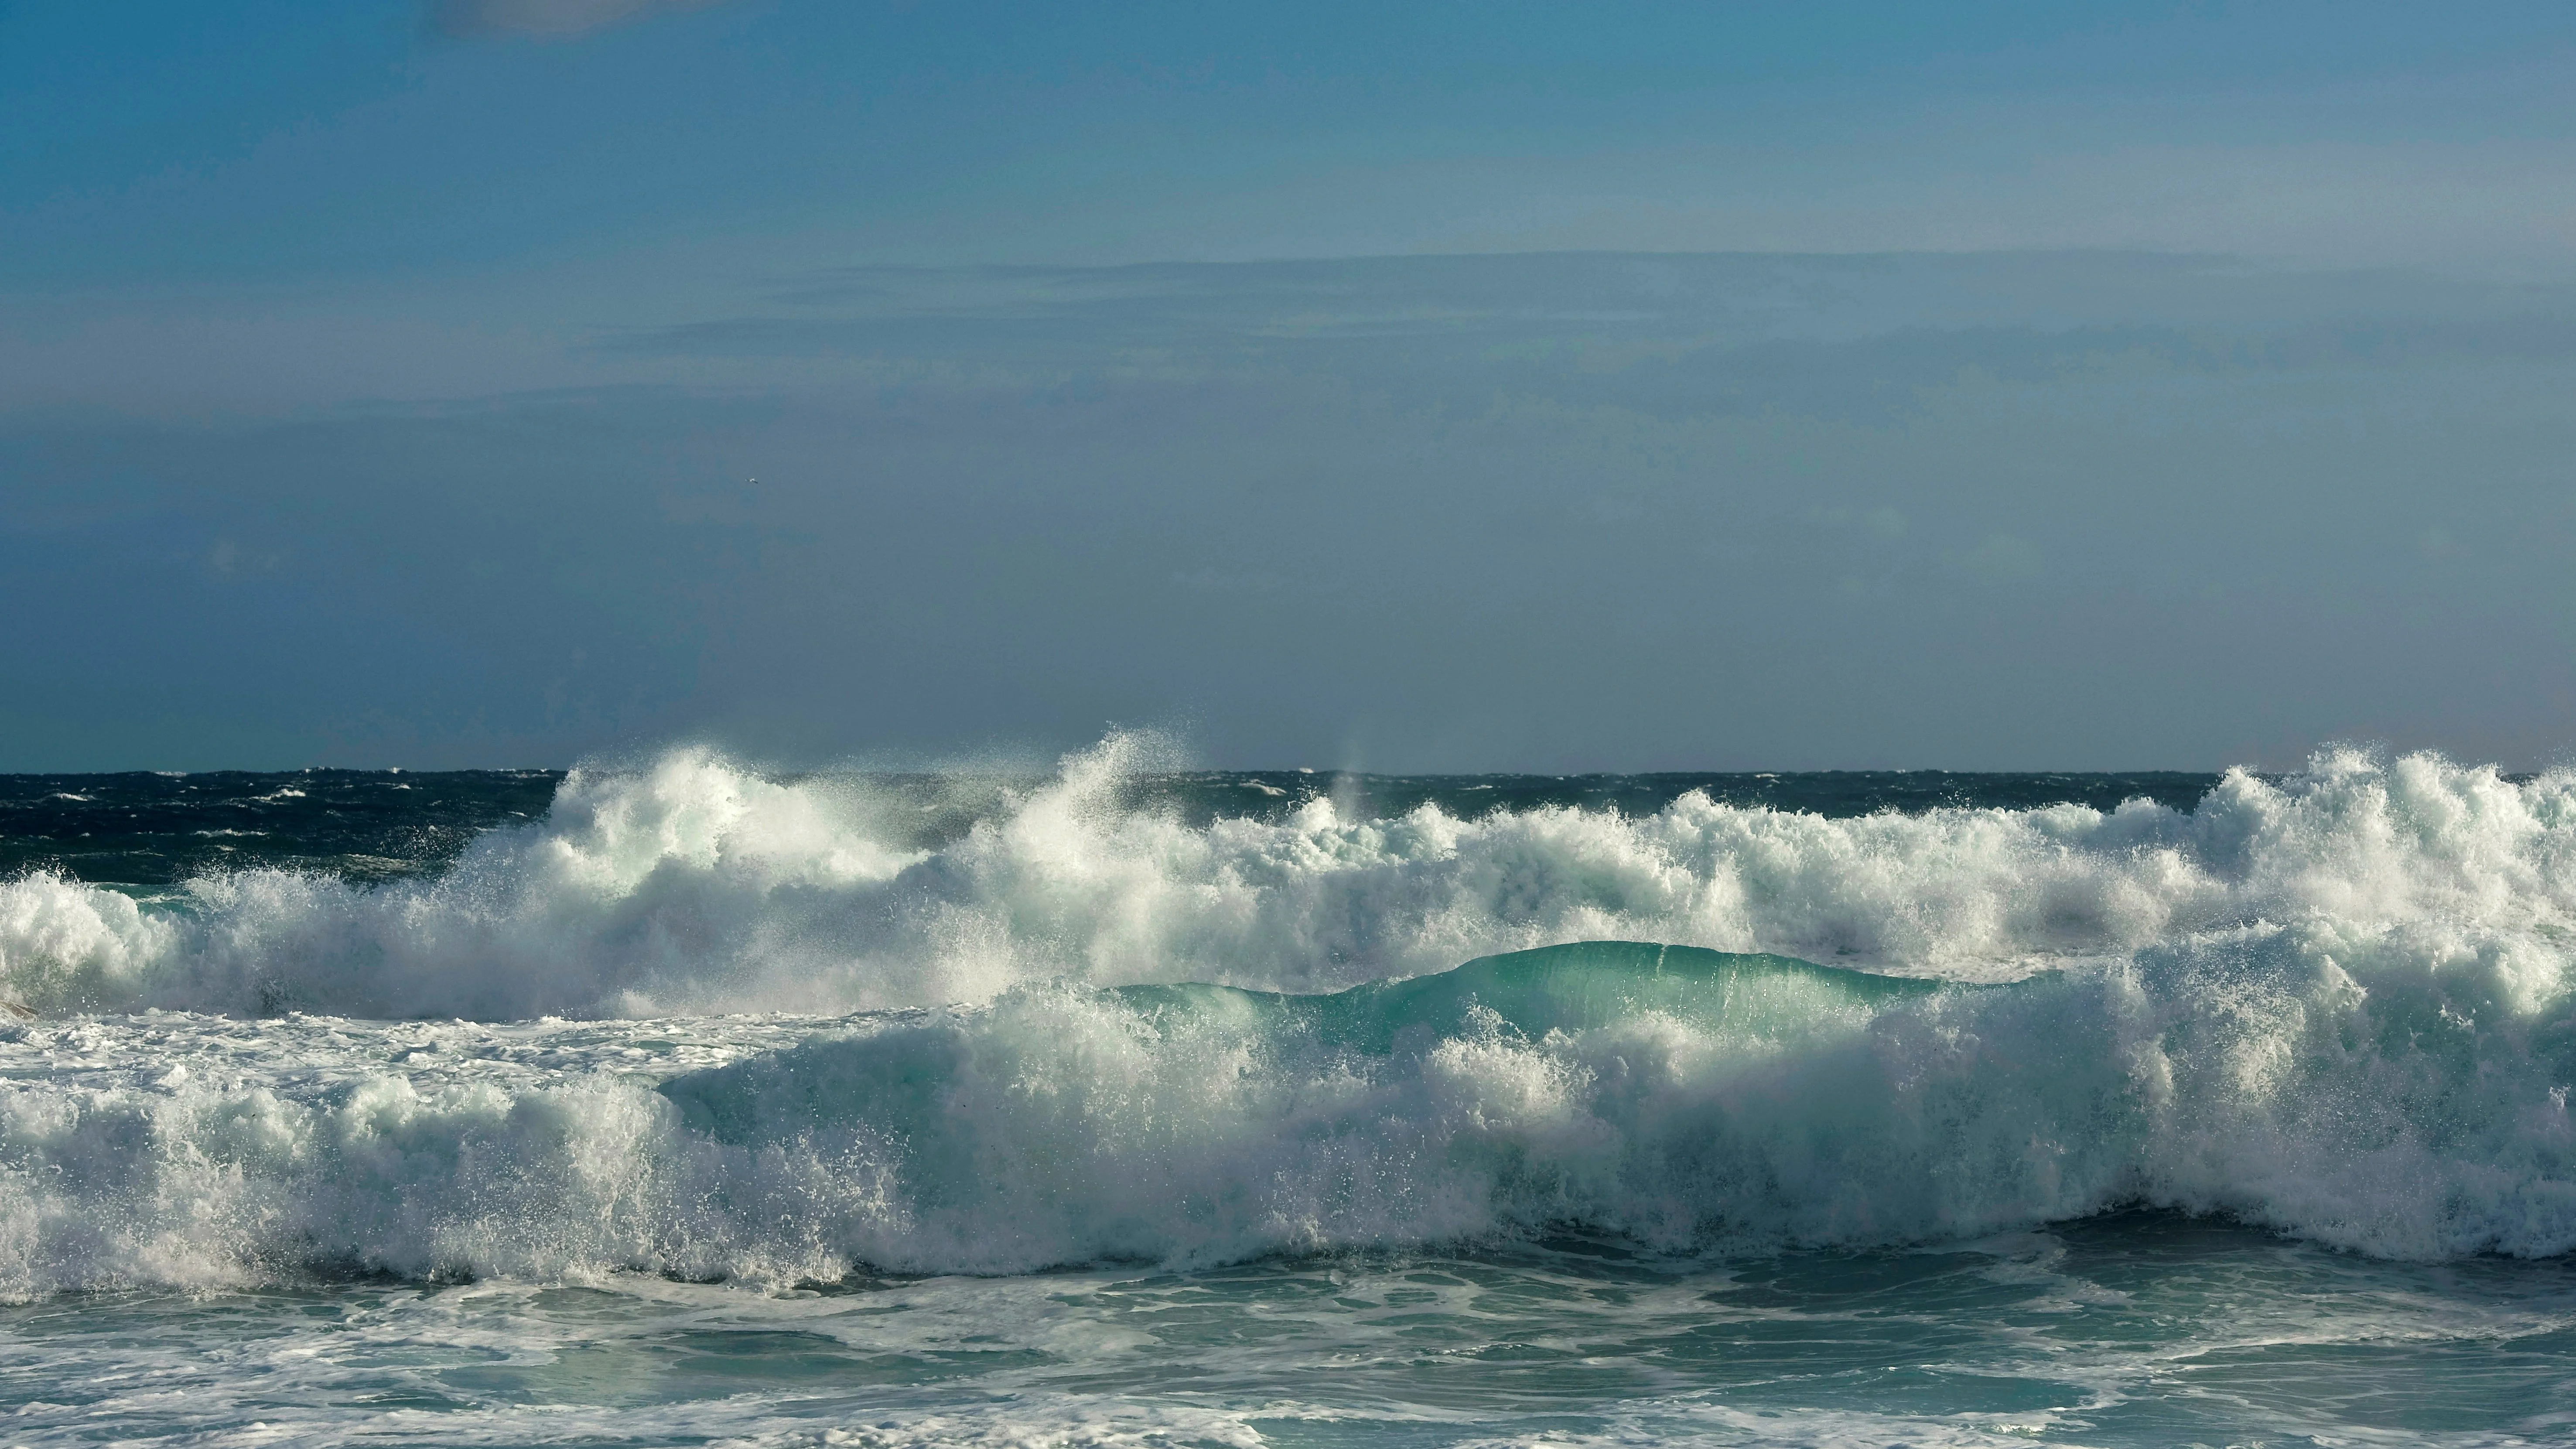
{"x":672,"y":1101}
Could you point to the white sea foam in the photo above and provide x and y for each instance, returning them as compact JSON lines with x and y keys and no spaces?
{"x":2337,"y":1004}
{"x":1060,"y":1125}
{"x":697,"y":885}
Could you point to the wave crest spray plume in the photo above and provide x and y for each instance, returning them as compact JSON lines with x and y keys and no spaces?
{"x":695,"y":884}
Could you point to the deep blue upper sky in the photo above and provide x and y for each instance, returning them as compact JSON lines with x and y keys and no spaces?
{"x":2014,"y":384}
{"x":292,"y":142}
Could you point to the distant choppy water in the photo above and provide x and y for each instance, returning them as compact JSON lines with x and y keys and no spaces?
{"x":1122,"y":1106}
{"x":146,"y":829}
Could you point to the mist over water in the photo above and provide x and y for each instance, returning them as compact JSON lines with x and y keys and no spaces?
{"x":696,"y":1023}
{"x":693,"y":884}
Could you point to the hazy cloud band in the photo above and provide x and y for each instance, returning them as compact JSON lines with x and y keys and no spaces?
{"x":542,"y":17}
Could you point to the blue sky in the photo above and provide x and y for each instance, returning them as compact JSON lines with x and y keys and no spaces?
{"x":1416,"y":387}
{"x":268,"y":142}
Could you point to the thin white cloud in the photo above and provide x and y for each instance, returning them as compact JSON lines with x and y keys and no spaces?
{"x":542,"y":17}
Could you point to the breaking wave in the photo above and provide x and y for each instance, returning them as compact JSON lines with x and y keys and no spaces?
{"x":2335,"y":1003}
{"x":695,"y":885}
{"x":1683,"y":1098}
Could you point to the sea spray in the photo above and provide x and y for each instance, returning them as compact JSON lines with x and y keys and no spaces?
{"x":698,"y":1022}
{"x":694,"y":885}
{"x":1679,"y":1098}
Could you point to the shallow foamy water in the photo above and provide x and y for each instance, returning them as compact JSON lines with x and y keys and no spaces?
{"x":2131,"y":1330}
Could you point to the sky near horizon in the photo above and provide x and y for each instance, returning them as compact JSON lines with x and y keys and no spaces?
{"x":1401,"y":387}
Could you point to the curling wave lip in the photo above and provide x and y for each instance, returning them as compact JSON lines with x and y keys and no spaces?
{"x":1677,"y":1098}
